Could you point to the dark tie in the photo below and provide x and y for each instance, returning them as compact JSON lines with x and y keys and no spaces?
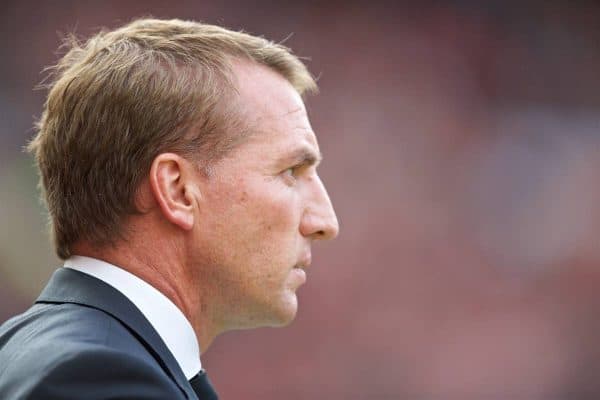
{"x":202,"y":387}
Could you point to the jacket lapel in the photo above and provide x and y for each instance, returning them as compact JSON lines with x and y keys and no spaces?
{"x":70,"y":286}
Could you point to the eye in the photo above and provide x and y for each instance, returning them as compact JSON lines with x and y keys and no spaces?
{"x":290,"y":174}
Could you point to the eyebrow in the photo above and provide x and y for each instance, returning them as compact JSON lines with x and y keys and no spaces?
{"x":303,"y":156}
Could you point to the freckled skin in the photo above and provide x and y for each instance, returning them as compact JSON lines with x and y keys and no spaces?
{"x":257,"y":222}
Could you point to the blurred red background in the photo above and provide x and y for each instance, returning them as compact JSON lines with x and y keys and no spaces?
{"x":461,"y":143}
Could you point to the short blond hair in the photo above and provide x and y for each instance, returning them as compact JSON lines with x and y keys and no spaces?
{"x":121,"y":98}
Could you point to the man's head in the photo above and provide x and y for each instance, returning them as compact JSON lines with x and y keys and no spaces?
{"x":178,"y":140}
{"x":264,"y":205}
{"x":125,"y":96}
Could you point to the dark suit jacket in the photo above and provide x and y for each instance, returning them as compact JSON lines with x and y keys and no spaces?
{"x":84,"y":340}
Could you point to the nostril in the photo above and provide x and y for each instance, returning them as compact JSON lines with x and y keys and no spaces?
{"x":326,"y":234}
{"x":319,"y":235}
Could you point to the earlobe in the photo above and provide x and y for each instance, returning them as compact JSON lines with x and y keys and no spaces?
{"x":171,"y":182}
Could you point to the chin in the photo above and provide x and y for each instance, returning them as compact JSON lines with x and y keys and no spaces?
{"x":271,"y":314}
{"x":285,"y":312}
{"x":284,"y":320}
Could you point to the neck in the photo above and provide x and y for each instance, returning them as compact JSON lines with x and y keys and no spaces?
{"x":169,"y":275}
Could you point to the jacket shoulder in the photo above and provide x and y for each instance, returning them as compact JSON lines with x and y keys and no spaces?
{"x":101,"y":373}
{"x":67,"y":351}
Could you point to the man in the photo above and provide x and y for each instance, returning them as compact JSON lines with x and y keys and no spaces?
{"x":179,"y":170}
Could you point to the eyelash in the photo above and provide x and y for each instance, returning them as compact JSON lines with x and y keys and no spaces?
{"x":291,"y":172}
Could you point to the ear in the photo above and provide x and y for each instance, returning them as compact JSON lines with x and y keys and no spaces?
{"x":172,"y":182}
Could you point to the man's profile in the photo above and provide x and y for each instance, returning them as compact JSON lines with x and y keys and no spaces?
{"x":178,"y":166}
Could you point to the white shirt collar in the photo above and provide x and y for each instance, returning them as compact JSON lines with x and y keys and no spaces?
{"x":164,"y":316}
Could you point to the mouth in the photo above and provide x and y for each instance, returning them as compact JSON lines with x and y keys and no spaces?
{"x":304,"y":263}
{"x":300,"y":268}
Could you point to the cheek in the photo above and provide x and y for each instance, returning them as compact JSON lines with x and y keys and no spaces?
{"x":266,"y":205}
{"x":274,"y":215}
{"x":254,"y":240}
{"x":256,"y":219}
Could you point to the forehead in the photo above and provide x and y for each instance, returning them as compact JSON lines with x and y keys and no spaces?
{"x":271,"y":109}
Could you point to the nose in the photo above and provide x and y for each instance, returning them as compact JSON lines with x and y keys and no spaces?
{"x":319,"y":221}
